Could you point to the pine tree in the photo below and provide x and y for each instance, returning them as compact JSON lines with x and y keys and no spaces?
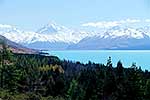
{"x":109,"y":62}
{"x":71,"y":93}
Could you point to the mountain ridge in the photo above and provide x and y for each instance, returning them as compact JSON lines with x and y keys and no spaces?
{"x":56,"y":37}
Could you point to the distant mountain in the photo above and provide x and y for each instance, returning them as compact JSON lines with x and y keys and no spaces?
{"x":116,"y":38}
{"x":33,"y":39}
{"x":56,"y":37}
{"x":53,"y":28}
{"x":16,"y":48}
{"x":50,"y":36}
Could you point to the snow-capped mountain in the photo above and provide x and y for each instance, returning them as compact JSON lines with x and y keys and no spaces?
{"x":53,"y":28}
{"x":56,"y":37}
{"x":116,"y":38}
{"x":51,"y":36}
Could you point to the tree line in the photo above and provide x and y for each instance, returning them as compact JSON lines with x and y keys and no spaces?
{"x":39,"y":77}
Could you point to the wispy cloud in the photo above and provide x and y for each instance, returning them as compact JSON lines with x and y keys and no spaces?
{"x":108,"y":24}
{"x":147,"y":20}
{"x":102,"y":24}
{"x":5,"y":26}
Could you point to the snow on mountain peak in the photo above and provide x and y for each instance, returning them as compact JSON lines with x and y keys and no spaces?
{"x":127,"y":32}
{"x":54,"y":33}
{"x":52,"y":28}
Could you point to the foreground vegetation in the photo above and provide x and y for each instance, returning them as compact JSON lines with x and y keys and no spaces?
{"x":38,"y":77}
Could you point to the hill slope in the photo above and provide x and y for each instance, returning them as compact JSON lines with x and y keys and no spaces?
{"x":16,"y":48}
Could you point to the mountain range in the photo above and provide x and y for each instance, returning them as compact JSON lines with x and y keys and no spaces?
{"x":57,"y":37}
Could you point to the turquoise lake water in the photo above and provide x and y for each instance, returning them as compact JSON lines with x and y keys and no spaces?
{"x":127,"y":57}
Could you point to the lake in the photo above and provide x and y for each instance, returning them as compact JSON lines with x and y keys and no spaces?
{"x":127,"y":57}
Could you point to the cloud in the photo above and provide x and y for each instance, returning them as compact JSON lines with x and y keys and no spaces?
{"x":132,"y":21}
{"x":108,"y":24}
{"x":5,"y":26}
{"x":147,"y":20}
{"x":101,"y":24}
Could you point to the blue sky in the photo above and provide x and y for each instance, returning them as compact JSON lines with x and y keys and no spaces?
{"x":32,"y":14}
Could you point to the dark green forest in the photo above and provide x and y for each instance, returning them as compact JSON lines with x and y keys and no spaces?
{"x":39,"y":77}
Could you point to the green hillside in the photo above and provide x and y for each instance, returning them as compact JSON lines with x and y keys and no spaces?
{"x":39,"y":77}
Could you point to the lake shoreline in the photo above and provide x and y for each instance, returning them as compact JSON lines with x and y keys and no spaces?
{"x":128,"y":57}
